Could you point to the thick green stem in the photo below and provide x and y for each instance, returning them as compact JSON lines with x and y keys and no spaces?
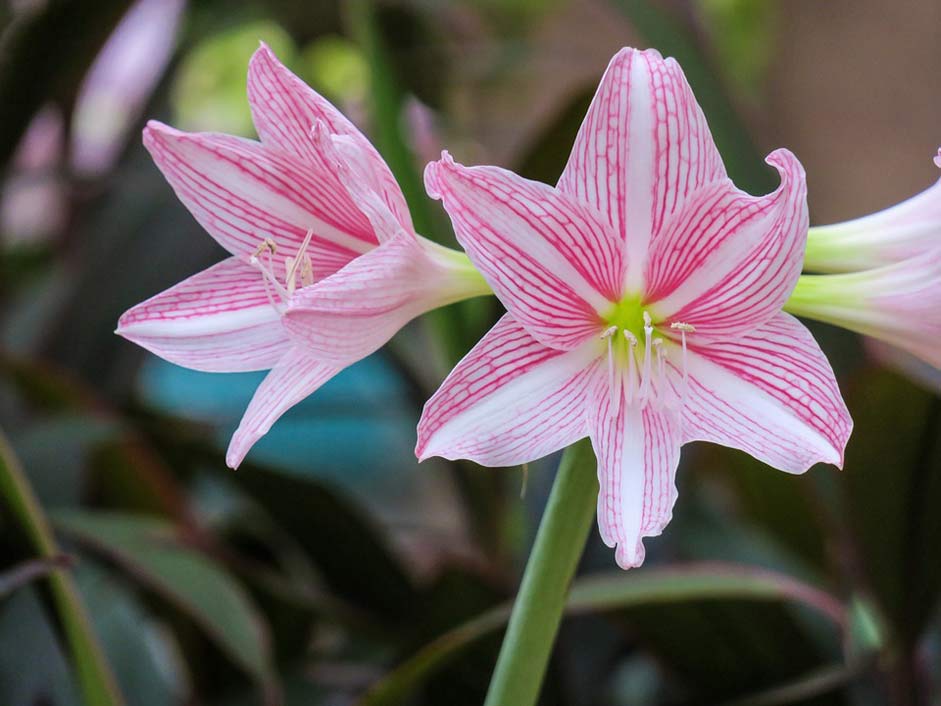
{"x":95,"y":679}
{"x":537,"y":612}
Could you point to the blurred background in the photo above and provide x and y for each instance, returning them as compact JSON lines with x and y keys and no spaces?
{"x":331,"y":569}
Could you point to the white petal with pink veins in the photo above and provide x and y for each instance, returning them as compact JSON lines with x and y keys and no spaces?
{"x":294,"y":377}
{"x":285,"y":111}
{"x":354,"y":312}
{"x":728,"y":261}
{"x":552,"y":262}
{"x":642,"y":149}
{"x":242,"y":193}
{"x":510,"y":400}
{"x":219,"y":320}
{"x":770,"y":393}
{"x":638,"y":450}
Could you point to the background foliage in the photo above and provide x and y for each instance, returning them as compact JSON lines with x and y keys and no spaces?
{"x":331,"y":569}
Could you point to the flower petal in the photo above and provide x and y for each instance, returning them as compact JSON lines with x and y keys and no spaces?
{"x":285,"y":111}
{"x":770,"y":393}
{"x":905,"y":230}
{"x":294,"y":377}
{"x":511,"y":400}
{"x":638,"y":450}
{"x":353,"y":168}
{"x":241,"y":193}
{"x":642,"y":149}
{"x":550,"y":260}
{"x":219,"y":320}
{"x":728,"y":261}
{"x":898,"y":303}
{"x":354,"y":312}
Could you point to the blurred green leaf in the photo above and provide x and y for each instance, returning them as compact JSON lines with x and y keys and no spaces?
{"x":892,"y":484}
{"x":94,"y":676}
{"x":143,"y":654}
{"x":354,"y":560}
{"x":743,"y":35}
{"x":209,"y":93}
{"x":33,"y":665}
{"x":152,"y":551}
{"x":649,"y":587}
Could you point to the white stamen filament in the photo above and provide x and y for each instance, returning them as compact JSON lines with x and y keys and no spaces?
{"x":631,"y":364}
{"x":272,"y":284}
{"x":683,"y":329}
{"x":645,"y":374}
{"x":615,"y":393}
{"x":661,"y":391}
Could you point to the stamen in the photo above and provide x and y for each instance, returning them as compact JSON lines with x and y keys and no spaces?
{"x":683,"y":329}
{"x":645,"y":374}
{"x":661,"y":372}
{"x":268,"y":247}
{"x":631,"y":364}
{"x":307,"y":272}
{"x":608,"y":334}
{"x":291,"y":263}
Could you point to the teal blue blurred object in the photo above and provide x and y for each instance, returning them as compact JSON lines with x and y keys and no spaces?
{"x":358,"y":426}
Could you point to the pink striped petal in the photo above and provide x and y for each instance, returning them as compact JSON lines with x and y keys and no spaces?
{"x":294,"y":377}
{"x":509,"y":401}
{"x":349,"y":315}
{"x":770,"y":393}
{"x":728,"y":261}
{"x":643,"y":149}
{"x":219,"y":320}
{"x":242,"y":193}
{"x":550,"y":260}
{"x":354,"y":169}
{"x":897,"y":233}
{"x":638,"y":450}
{"x":899,"y":303}
{"x":285,"y":111}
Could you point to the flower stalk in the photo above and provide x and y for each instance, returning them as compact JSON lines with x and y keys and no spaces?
{"x":537,"y":612}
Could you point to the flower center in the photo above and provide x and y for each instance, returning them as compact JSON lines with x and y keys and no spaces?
{"x":296,"y":268}
{"x":637,"y":357}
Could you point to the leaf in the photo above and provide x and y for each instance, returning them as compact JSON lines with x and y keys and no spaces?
{"x":152,"y":551}
{"x":353,"y":558}
{"x":692,"y":582}
{"x":892,"y":484}
{"x":94,"y":676}
{"x":143,"y":653}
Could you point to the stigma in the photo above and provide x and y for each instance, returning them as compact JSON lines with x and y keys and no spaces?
{"x":646,"y":367}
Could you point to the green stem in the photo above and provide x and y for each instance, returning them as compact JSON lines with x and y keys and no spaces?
{"x":537,"y":611}
{"x":95,"y":679}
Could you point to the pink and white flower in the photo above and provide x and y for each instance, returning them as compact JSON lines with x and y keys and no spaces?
{"x":319,"y":235}
{"x":644,"y":299}
{"x":904,"y":230}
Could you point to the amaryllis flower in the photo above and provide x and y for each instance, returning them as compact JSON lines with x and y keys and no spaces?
{"x":899,"y":303}
{"x":644,"y":300}
{"x":896,"y":233}
{"x":310,"y":209}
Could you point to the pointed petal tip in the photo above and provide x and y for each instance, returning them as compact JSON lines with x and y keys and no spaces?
{"x":433,"y":173}
{"x":627,"y":558}
{"x":787,"y":164}
{"x":262,"y":54}
{"x":238,"y":449}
